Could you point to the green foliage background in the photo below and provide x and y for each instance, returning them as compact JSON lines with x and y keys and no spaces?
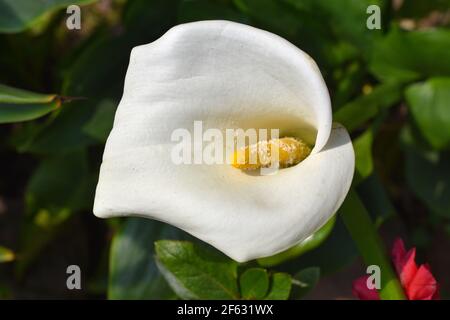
{"x":60,"y":88}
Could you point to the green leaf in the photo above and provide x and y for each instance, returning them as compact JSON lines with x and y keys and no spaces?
{"x":274,"y":15}
{"x":280,"y":287}
{"x":62,"y":133}
{"x":14,"y":95}
{"x":364,"y":108}
{"x":101,"y":123}
{"x":67,"y":130}
{"x":406,"y":56}
{"x":60,"y":187}
{"x":306,"y":245}
{"x":196,"y":273}
{"x":304,"y":281}
{"x":364,"y":234}
{"x":133,"y":273}
{"x":90,"y":75}
{"x":429,"y":105}
{"x":6,"y":255}
{"x":347,"y":20}
{"x":340,"y":22}
{"x":17,"y":15}
{"x":428,"y":175}
{"x":196,"y":10}
{"x":363,"y":154}
{"x":18,"y":105}
{"x":374,"y":195}
{"x":348,"y":79}
{"x":254,"y":283}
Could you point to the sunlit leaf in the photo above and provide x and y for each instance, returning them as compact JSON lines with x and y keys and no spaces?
{"x":196,"y":273}
{"x":406,"y":56}
{"x":254,"y":283}
{"x":18,"y":105}
{"x":280,"y":287}
{"x":429,"y":105}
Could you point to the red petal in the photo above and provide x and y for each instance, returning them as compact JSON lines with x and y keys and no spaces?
{"x":362,"y":292}
{"x":423,"y":286}
{"x":398,"y":254}
{"x":404,"y":262}
{"x":409,"y":269}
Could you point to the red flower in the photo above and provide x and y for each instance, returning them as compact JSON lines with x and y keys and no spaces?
{"x":418,"y":282}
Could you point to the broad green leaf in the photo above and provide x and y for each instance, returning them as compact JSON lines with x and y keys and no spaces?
{"x":406,"y":56}
{"x":280,"y":287}
{"x":304,"y":281}
{"x":62,"y":133}
{"x":101,"y":123}
{"x":66,"y":132}
{"x":429,"y":105}
{"x":364,"y":108}
{"x":132,"y":269}
{"x":15,"y":95}
{"x":98,"y":75}
{"x":147,"y":20}
{"x":60,"y":187}
{"x":273,"y":14}
{"x":428,"y":175}
{"x":6,"y":255}
{"x":196,"y":273}
{"x":343,"y":20}
{"x":17,"y":15}
{"x":306,"y":245}
{"x":196,"y":10}
{"x":254,"y":283}
{"x":10,"y":112}
{"x":303,"y":26}
{"x":347,"y":20}
{"x":90,"y":75}
{"x":18,"y":105}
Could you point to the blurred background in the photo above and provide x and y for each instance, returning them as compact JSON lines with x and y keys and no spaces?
{"x":390,"y":87}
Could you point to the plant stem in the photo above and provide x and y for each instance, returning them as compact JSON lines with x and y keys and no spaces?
{"x":364,"y":234}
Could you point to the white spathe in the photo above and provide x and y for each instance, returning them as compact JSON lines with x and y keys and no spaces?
{"x":227,"y":75}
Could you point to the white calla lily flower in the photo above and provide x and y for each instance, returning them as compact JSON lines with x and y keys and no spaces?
{"x":227,"y":75}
